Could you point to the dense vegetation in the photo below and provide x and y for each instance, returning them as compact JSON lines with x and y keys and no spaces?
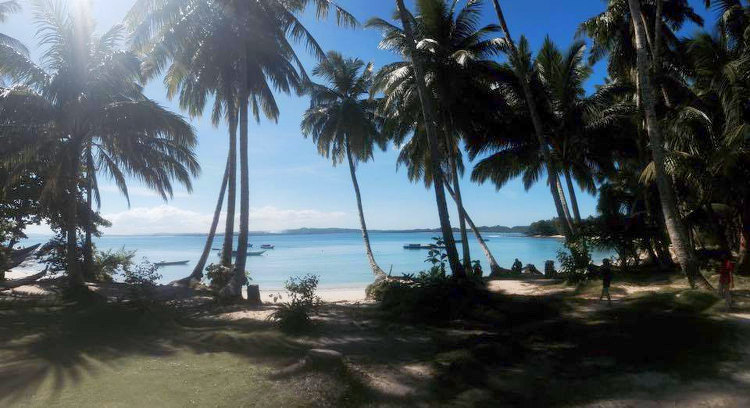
{"x":663,"y":141}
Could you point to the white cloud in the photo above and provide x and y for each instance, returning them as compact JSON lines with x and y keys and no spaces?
{"x":139,"y":191}
{"x":171,"y":219}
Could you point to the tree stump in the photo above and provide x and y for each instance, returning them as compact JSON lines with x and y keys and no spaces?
{"x":549,"y":270}
{"x":253,"y":295}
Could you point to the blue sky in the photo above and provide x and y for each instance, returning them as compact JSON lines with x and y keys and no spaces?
{"x":292,"y":186}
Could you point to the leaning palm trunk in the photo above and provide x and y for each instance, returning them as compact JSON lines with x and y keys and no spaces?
{"x":573,"y":198}
{"x":494,"y":267}
{"x":564,"y":201}
{"x":226,"y":252}
{"x":678,"y":234}
{"x":538,"y":128}
{"x":197,"y":274}
{"x":379,"y":274}
{"x":461,"y":215}
{"x":429,"y":114}
{"x":234,"y":288}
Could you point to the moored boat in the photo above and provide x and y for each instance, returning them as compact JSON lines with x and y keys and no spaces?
{"x":170,"y":263}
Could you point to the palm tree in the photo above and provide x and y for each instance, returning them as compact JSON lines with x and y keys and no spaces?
{"x":86,"y":113}
{"x":519,"y":59}
{"x":342,"y":122}
{"x":456,"y":55}
{"x":10,"y":7}
{"x":262,"y":58}
{"x":677,"y":232}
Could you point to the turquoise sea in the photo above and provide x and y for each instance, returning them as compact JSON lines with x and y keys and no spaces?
{"x":337,"y":258}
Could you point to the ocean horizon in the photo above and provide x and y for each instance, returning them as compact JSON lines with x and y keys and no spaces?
{"x":338,"y":258}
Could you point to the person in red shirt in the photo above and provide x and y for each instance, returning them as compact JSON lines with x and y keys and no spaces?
{"x":726,"y":280}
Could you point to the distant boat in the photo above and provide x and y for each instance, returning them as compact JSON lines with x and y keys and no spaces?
{"x":249,"y":253}
{"x":249,"y":245}
{"x":422,"y":246}
{"x":267,"y":246}
{"x":170,"y":263}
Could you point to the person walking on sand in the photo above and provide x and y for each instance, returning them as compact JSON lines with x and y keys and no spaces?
{"x":606,"y":272}
{"x":726,"y":280}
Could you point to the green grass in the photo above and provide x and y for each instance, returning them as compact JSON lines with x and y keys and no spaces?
{"x":557,"y":350}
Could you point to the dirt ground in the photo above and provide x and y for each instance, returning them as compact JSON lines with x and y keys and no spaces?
{"x":543,"y":343}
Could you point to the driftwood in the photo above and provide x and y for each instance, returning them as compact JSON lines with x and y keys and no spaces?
{"x":17,"y":256}
{"x":10,"y":284}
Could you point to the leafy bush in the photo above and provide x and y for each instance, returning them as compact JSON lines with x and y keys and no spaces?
{"x":109,"y":263}
{"x":294,"y":316}
{"x":141,"y":281}
{"x":574,"y":262}
{"x":430,"y":297}
{"x":218,"y":276}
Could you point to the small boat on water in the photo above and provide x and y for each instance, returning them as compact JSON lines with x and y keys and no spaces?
{"x":267,"y":246}
{"x":423,"y":246}
{"x":170,"y":263}
{"x":249,"y":253}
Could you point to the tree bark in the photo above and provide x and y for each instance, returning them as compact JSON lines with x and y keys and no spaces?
{"x":677,"y":232}
{"x":743,"y":261}
{"x":88,"y":245}
{"x":429,"y":114}
{"x":233,"y":290}
{"x":461,"y":215}
{"x":494,"y":267}
{"x":573,"y":199}
{"x":226,"y":251}
{"x":197,"y":274}
{"x":379,"y":274}
{"x":564,"y":201}
{"x":538,"y":127}
{"x":75,"y":276}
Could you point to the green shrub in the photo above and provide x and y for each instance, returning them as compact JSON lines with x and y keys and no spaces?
{"x":141,"y":281}
{"x":430,"y":297}
{"x":294,"y":316}
{"x":574,"y":262}
{"x":109,"y":263}
{"x":218,"y":276}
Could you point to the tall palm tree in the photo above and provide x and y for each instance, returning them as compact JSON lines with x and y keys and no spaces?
{"x":456,"y":53}
{"x":263,"y":58}
{"x":429,"y":113}
{"x":342,"y":122}
{"x":86,"y":113}
{"x":678,"y":234}
{"x":519,"y":59}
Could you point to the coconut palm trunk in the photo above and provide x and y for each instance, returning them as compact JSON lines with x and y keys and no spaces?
{"x":573,"y":198}
{"x":88,"y":245}
{"x":564,"y":201}
{"x":743,"y":262}
{"x":75,"y":276}
{"x":379,"y":274}
{"x":197,"y":274}
{"x":678,"y":234}
{"x":226,"y":252}
{"x":538,"y":127}
{"x":461,"y":215}
{"x":429,"y":114}
{"x":234,"y":288}
{"x":494,"y":267}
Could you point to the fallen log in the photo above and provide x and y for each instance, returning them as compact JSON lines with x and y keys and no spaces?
{"x":10,"y":284}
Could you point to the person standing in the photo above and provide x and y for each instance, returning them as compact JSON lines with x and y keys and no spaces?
{"x":726,"y":279}
{"x":606,"y":272}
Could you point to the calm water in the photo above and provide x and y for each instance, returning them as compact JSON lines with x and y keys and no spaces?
{"x":338,"y":258}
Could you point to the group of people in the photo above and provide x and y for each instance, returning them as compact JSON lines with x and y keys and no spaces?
{"x":725,"y":271}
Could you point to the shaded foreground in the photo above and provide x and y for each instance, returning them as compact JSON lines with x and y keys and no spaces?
{"x":550,"y":346}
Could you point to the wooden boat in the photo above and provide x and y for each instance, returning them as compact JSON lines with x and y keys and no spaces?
{"x":249,"y":253}
{"x":267,"y":246}
{"x":422,"y":246}
{"x":170,"y":263}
